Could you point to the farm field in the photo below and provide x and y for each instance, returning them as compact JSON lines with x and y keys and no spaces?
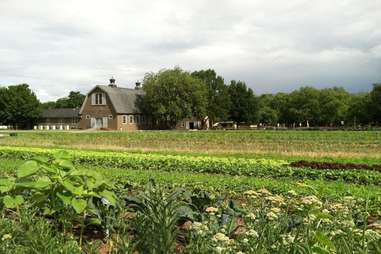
{"x":339,"y":145}
{"x":191,"y":192}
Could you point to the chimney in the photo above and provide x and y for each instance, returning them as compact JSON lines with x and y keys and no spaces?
{"x":112,"y":82}
{"x":138,"y":85}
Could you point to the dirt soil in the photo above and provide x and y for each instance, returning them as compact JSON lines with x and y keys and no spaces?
{"x":334,"y":165}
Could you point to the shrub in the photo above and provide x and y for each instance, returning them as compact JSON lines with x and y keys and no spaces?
{"x":59,"y":190}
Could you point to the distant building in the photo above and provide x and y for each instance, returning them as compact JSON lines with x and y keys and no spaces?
{"x":114,"y":108}
{"x":58,"y":117}
{"x":109,"y":107}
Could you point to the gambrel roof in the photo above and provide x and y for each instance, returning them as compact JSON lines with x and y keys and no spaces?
{"x":123,"y":100}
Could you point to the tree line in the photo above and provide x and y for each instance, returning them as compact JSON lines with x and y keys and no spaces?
{"x":20,"y":107}
{"x":174,"y":94}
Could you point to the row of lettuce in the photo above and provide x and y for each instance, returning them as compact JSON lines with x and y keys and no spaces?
{"x":67,"y":204}
{"x":264,"y":168}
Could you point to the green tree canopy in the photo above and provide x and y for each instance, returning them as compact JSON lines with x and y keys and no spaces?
{"x":219,"y":103}
{"x":244,"y":104}
{"x":334,"y":106}
{"x":375,"y":103}
{"x":74,"y":100}
{"x":19,"y":106}
{"x":359,"y":111}
{"x":172,"y":95}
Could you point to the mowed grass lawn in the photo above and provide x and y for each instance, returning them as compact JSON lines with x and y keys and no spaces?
{"x":353,"y":145}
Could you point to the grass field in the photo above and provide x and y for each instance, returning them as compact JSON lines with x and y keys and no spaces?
{"x":189,"y":192}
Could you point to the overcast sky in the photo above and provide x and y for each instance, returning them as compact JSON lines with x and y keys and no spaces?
{"x":58,"y":46}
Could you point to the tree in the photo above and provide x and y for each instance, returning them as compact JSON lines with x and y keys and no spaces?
{"x":218,"y":95}
{"x":334,"y":105}
{"x":19,"y":106}
{"x":359,"y":111}
{"x":375,"y":103}
{"x":48,"y":105}
{"x":304,"y":105}
{"x":74,"y":100}
{"x":244,"y":106}
{"x":172,"y":95}
{"x":268,"y":111}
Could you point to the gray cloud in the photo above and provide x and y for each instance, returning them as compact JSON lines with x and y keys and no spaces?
{"x":273,"y":45}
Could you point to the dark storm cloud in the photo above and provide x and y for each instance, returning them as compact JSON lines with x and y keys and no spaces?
{"x":273,"y":45}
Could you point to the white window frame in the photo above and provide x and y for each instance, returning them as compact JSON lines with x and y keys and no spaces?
{"x":131,"y":120}
{"x":124,"y":119}
{"x":99,"y":99}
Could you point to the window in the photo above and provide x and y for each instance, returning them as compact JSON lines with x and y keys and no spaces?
{"x":142,"y":119}
{"x":131,"y":119}
{"x":99,"y":99}
{"x":124,"y":120}
{"x":87,"y":116}
{"x":110,"y":117}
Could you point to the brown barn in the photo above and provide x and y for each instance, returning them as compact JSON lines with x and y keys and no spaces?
{"x":114,"y":108}
{"x":59,"y":118}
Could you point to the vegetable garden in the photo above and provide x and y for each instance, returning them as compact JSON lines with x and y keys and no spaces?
{"x":56,"y":200}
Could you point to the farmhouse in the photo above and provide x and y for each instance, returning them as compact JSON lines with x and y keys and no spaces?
{"x":114,"y":108}
{"x":109,"y":107}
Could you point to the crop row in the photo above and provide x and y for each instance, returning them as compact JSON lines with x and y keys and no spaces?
{"x":218,"y":182}
{"x":199,"y":164}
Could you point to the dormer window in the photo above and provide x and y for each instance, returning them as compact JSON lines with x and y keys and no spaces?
{"x":99,"y":99}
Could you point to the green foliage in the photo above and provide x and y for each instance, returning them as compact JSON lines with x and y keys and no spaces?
{"x":74,"y":100}
{"x":198,"y":164}
{"x":33,"y":234}
{"x":172,"y":95}
{"x":158,"y":214}
{"x":244,"y":104}
{"x":57,"y":189}
{"x":219,"y":102}
{"x":320,"y":107}
{"x":19,"y":106}
{"x":375,"y":103}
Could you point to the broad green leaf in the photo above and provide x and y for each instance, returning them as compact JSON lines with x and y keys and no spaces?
{"x":41,"y":183}
{"x":6,"y":184}
{"x":110,"y":196}
{"x":13,"y":202}
{"x":79,"y":205}
{"x":66,"y":198}
{"x":50,"y":169}
{"x":19,"y":200}
{"x":28,"y":168}
{"x":41,"y":159}
{"x":70,"y":187}
{"x":62,"y":155}
{"x":66,"y":164}
{"x":93,"y":183}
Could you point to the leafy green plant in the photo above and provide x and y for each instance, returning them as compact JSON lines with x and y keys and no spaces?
{"x":200,"y":164}
{"x":59,"y":190}
{"x":158,"y":214}
{"x":34,"y":234}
